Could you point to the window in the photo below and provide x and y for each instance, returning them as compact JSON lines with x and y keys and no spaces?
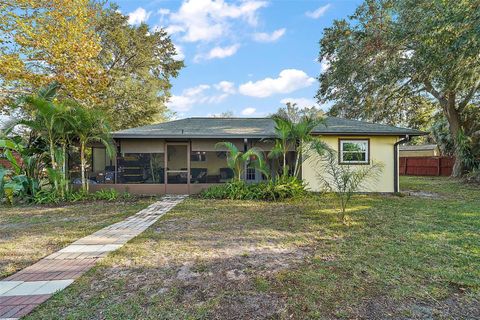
{"x":354,"y":151}
{"x":250,"y":176}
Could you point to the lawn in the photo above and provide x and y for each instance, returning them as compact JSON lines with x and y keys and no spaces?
{"x":414,"y":256}
{"x":30,"y":233}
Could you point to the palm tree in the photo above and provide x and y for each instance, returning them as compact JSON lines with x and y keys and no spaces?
{"x":283,"y":143}
{"x":50,"y":121}
{"x":302,"y":134}
{"x":297,"y":136}
{"x":90,"y":126}
{"x":237,"y":160}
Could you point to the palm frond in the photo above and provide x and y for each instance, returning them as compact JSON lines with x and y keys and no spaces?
{"x":50,"y":91}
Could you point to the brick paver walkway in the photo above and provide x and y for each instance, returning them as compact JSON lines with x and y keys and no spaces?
{"x":21,"y":292}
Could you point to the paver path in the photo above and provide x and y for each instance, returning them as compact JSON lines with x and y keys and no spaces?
{"x":21,"y":292}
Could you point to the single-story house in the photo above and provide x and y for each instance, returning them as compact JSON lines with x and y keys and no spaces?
{"x":422,"y":150}
{"x":180,"y":156}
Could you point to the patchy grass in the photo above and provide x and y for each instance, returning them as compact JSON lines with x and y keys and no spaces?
{"x":401,"y":257}
{"x":28,"y":233}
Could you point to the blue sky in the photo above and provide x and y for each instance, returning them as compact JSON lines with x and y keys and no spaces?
{"x":247,"y":57}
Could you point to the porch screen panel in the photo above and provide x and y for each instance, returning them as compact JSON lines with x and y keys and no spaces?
{"x":141,"y":168}
{"x":209,"y":167}
{"x":103,"y":167}
{"x":177,"y":164}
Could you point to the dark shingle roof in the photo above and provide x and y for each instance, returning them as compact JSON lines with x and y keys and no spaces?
{"x":253,"y":128}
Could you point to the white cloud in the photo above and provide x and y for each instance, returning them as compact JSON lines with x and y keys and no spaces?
{"x":324,"y":65}
{"x":288,"y":81}
{"x":248,"y":111}
{"x":138,"y":16}
{"x":207,"y":20}
{"x":163,"y":12}
{"x":269,"y":37}
{"x":318,"y":13}
{"x":180,"y":53}
{"x":218,"y":53}
{"x":225,"y":86}
{"x":201,"y":95}
{"x":188,"y":98}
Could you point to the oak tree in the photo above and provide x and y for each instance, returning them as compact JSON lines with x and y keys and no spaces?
{"x":389,"y":56}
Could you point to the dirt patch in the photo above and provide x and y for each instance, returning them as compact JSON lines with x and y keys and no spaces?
{"x":250,"y":306}
{"x":196,"y":266}
{"x":423,"y":194}
{"x":458,"y":306}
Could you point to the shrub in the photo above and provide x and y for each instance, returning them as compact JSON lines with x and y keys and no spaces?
{"x":345,"y":180}
{"x":283,"y":188}
{"x":106,"y":194}
{"x":51,"y":196}
{"x":46,"y":196}
{"x":77,"y":196}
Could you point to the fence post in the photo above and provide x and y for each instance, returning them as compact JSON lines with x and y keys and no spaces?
{"x":438,"y":166}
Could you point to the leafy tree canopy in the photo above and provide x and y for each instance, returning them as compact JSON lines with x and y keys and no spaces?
{"x":295,"y":114}
{"x":98,"y":59}
{"x":139,"y":63}
{"x":42,"y":41}
{"x":393,"y":59}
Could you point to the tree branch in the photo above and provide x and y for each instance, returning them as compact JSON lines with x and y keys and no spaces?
{"x":429,"y":87}
{"x":470,"y":95}
{"x":439,"y":96}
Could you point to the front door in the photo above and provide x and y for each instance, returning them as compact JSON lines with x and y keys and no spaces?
{"x":177,"y":166}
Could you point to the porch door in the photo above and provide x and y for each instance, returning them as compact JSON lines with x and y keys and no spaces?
{"x":177,"y":164}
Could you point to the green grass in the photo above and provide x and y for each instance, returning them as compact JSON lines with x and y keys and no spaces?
{"x":29,"y":233}
{"x":414,"y":256}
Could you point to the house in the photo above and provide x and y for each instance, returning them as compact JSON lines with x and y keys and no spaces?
{"x":180,"y":156}
{"x":422,"y":150}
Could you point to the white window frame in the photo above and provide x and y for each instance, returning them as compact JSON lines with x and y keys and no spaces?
{"x":341,"y":152}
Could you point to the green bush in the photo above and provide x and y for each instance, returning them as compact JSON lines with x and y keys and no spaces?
{"x":106,"y":194}
{"x":77,"y":196}
{"x":283,"y":188}
{"x":50,"y":196}
{"x":47,"y":196}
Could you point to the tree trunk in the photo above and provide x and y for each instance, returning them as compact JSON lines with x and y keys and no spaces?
{"x":54,"y":163}
{"x":64,"y":185}
{"x":455,"y":125}
{"x":82,"y":165}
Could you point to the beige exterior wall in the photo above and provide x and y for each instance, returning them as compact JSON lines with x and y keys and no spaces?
{"x":209,"y":144}
{"x":142,"y":146}
{"x":419,"y":153}
{"x":381,"y":151}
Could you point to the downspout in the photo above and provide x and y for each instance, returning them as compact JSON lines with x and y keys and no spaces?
{"x":395,"y":162}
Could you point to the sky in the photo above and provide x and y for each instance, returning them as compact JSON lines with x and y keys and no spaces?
{"x":246,"y":57}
